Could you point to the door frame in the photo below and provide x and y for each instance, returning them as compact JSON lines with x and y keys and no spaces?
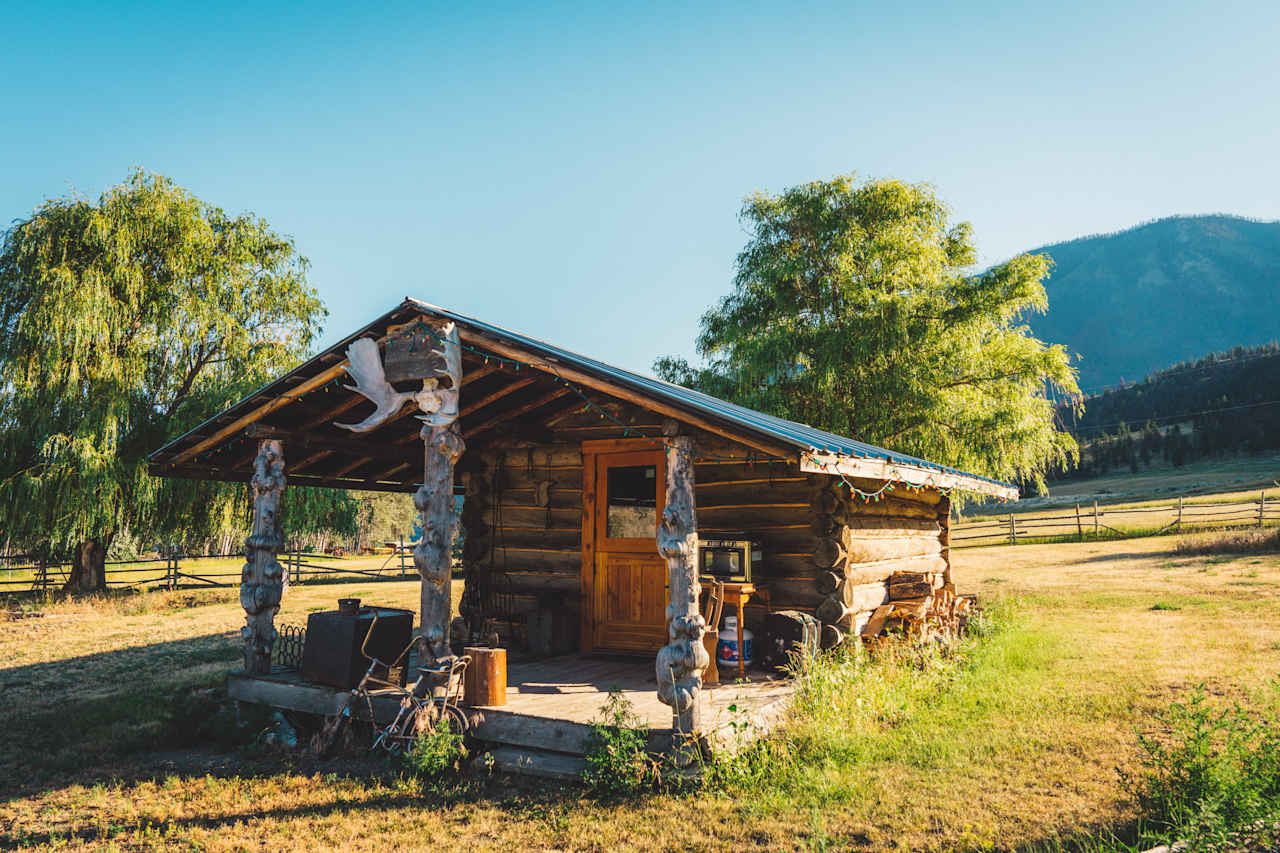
{"x":591,"y":452}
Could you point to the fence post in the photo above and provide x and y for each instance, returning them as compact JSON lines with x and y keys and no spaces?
{"x":1179,"y":513}
{"x":1262,"y":503}
{"x":1013,"y":531}
{"x":1079,"y":524}
{"x":1095,"y":520}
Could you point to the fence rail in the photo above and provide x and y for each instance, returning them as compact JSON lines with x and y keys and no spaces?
{"x":24,"y":573}
{"x":1092,"y":521}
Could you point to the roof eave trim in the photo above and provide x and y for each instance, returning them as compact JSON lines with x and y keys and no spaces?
{"x":818,"y":462}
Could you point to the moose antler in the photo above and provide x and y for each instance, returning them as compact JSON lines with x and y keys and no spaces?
{"x":364,"y":364}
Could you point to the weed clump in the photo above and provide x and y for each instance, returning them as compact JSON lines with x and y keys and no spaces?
{"x":435,"y":751}
{"x":1212,"y":777}
{"x":617,"y":757}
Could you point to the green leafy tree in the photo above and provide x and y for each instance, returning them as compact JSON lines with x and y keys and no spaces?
{"x":854,"y":309}
{"x":125,"y":323}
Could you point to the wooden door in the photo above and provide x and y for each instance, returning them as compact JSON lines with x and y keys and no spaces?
{"x":629,"y":579}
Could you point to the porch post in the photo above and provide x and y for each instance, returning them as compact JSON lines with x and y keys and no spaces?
{"x":262,"y":579}
{"x":680,"y":663}
{"x":433,"y":556}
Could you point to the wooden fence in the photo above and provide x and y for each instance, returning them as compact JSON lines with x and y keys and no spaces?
{"x":1091,"y":521}
{"x":22,"y":573}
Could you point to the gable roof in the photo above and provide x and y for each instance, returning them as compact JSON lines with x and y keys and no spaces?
{"x":816,"y":450}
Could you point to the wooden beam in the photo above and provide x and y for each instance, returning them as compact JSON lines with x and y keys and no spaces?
{"x":261,"y":412}
{"x":314,"y":457}
{"x":363,"y":448}
{"x":509,"y":388}
{"x":581,"y":377}
{"x":561,"y":414}
{"x":817,"y":462}
{"x":385,"y":474}
{"x":512,"y":414}
{"x":328,"y":416}
{"x":479,"y":373}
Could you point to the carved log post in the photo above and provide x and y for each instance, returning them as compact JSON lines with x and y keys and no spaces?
{"x":433,"y":556}
{"x":261,"y":580}
{"x":680,"y":663}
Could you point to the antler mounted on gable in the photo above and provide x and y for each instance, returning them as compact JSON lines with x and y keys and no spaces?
{"x":438,"y":405}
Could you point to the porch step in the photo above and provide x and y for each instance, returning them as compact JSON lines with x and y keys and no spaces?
{"x":538,"y":762}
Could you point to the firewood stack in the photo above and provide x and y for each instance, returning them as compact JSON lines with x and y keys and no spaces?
{"x":923,"y":604}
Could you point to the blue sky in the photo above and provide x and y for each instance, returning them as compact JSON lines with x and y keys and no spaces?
{"x":575,"y":173}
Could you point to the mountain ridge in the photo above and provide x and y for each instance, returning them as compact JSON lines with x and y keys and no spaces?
{"x":1167,"y":290}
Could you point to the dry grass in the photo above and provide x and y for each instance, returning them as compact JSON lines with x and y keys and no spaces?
{"x":1019,"y":748}
{"x":1238,"y":542}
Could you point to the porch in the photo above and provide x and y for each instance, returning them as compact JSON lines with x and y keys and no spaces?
{"x":542,"y":729}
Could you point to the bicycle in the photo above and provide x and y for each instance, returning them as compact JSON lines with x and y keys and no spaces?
{"x":432,"y":699}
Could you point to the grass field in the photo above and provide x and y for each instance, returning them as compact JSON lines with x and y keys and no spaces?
{"x":1015,"y":745}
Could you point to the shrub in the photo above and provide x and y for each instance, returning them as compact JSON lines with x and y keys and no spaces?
{"x":617,"y":758}
{"x":435,"y":752}
{"x":1214,"y":773}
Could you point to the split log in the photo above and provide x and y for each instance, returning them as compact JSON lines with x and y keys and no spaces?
{"x":875,"y":625}
{"x":908,"y":591}
{"x":912,"y":609}
{"x":831,"y":637}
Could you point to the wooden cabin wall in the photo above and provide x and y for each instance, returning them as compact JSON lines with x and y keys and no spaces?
{"x":523,"y":520}
{"x":869,"y":546}
{"x":825,"y":552}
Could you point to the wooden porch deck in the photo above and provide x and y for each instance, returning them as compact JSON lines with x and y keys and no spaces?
{"x":551,"y":704}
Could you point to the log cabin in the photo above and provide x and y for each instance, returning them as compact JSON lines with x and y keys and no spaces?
{"x":594,"y":503}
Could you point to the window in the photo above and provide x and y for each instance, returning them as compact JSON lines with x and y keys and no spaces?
{"x":632,"y":502}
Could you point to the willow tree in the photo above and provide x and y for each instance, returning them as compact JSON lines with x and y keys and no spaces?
{"x":855,"y":309}
{"x":126,"y":322}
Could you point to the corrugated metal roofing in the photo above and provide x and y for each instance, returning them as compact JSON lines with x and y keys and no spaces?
{"x":798,"y":435}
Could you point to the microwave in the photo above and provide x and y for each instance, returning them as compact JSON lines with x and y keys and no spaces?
{"x":728,"y":559}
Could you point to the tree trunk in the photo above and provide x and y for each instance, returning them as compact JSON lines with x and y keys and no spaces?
{"x":88,"y":568}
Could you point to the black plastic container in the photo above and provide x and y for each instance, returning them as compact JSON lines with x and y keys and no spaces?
{"x":331,"y":653}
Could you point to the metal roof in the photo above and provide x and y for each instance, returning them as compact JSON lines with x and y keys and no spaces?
{"x":801,"y":436}
{"x":818,"y":451}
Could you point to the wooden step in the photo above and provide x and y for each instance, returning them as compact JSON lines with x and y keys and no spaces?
{"x":538,"y":762}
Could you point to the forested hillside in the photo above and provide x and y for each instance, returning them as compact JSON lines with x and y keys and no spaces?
{"x":1135,"y":301}
{"x":1224,"y":403}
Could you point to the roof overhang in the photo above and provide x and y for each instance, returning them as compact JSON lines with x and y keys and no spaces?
{"x":302,"y":403}
{"x":820,"y":462}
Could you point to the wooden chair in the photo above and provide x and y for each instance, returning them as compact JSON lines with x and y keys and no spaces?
{"x":712,"y":609}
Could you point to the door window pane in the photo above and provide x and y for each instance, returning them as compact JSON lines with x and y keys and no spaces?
{"x":632,"y":502}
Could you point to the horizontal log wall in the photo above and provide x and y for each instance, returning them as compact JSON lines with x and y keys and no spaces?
{"x":867,"y":544}
{"x":525,"y":532}
{"x":826,"y":552}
